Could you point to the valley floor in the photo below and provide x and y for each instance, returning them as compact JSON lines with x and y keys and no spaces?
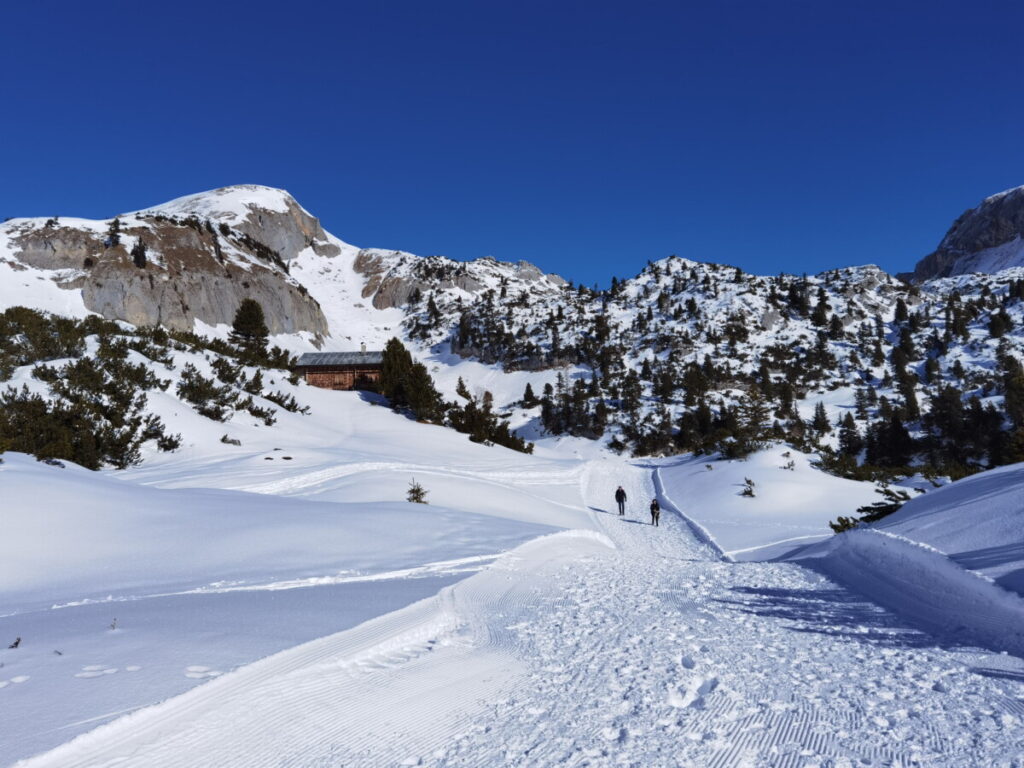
{"x":619,"y":645}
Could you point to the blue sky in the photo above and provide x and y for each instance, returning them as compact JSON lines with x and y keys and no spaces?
{"x":587,"y":137}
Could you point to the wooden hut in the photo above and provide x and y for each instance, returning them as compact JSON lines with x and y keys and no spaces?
{"x":341,"y":370}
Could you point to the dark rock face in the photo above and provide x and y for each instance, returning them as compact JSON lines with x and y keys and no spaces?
{"x":983,"y":239}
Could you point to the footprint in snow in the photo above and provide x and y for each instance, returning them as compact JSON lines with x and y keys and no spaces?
{"x":198,"y":673}
{"x":615,"y":733}
{"x":694,"y":693}
{"x":95,"y":670}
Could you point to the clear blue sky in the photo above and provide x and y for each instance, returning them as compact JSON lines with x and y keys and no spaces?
{"x":587,"y":137}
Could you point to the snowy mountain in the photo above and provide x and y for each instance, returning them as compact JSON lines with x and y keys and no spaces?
{"x":986,"y":238}
{"x":260,"y":590}
{"x":683,"y":356}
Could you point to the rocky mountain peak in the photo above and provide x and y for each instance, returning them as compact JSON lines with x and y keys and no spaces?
{"x":192,"y":259}
{"x":271,"y":216}
{"x":986,"y":238}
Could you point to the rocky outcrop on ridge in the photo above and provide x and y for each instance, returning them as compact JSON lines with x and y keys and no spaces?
{"x":393,"y":278}
{"x":986,"y":238}
{"x":193,"y":259}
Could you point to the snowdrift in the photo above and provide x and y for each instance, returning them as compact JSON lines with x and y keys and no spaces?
{"x":952,"y":560}
{"x":920,"y":583}
{"x":978,"y":522}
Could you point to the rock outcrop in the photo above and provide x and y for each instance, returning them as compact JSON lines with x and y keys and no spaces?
{"x":987,"y":238}
{"x":393,"y":277}
{"x":193,"y":259}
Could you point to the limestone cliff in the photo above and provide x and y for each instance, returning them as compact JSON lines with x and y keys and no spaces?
{"x":193,"y":259}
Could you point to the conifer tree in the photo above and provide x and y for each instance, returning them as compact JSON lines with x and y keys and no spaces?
{"x":820,"y":423}
{"x":396,"y":366}
{"x":416,"y":494}
{"x":249,"y":330}
{"x":423,"y":399}
{"x":850,"y":441}
{"x":529,"y":398}
{"x":901,"y":313}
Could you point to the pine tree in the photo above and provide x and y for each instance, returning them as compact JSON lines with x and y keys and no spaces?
{"x":249,"y":330}
{"x":901,"y":310}
{"x":416,"y":494}
{"x":850,"y":441}
{"x":139,"y":254}
{"x":529,"y":398}
{"x":1013,"y":389}
{"x":820,"y":423}
{"x":395,"y":368}
{"x":423,"y":399}
{"x":820,"y":314}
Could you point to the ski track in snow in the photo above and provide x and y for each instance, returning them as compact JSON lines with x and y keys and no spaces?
{"x":629,"y":646}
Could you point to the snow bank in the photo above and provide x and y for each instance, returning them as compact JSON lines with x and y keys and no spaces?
{"x":978,"y":522}
{"x":924,"y":585}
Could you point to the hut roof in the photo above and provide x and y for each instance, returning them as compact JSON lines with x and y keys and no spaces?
{"x":313,"y":359}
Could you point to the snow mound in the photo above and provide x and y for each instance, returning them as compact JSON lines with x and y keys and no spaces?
{"x":74,"y":536}
{"x":922,"y":584}
{"x":978,"y":522}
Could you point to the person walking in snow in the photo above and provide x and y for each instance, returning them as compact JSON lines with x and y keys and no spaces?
{"x":655,"y":512}
{"x":620,"y":498}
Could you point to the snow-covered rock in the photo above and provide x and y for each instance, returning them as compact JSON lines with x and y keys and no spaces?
{"x":986,"y":238}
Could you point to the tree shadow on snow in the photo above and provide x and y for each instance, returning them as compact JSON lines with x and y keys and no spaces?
{"x":832,"y":612}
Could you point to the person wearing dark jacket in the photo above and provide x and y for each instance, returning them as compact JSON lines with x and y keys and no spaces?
{"x":655,"y":512}
{"x":620,"y":498}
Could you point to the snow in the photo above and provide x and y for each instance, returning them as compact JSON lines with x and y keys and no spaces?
{"x":215,"y":556}
{"x":977,"y":522}
{"x":230,"y":204}
{"x":141,"y":540}
{"x":615,"y":643}
{"x":925,"y":586}
{"x":790,"y":509}
{"x":991,"y":260}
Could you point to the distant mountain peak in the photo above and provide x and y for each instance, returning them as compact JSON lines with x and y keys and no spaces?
{"x":987,"y":238}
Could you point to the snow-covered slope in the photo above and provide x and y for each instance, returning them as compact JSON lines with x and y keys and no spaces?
{"x":792,"y":504}
{"x":978,"y":522}
{"x":217,"y":555}
{"x":618,"y":643}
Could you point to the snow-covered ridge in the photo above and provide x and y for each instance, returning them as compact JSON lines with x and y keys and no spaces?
{"x":232,"y":204}
{"x":986,"y":239}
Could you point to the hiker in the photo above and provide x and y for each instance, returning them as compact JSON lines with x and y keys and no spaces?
{"x":655,"y":512}
{"x":620,"y":497}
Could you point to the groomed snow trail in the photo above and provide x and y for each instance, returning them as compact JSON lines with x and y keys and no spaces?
{"x":570,"y":652}
{"x":666,"y":655}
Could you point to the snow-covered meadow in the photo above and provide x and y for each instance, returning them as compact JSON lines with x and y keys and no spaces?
{"x":272,"y":609}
